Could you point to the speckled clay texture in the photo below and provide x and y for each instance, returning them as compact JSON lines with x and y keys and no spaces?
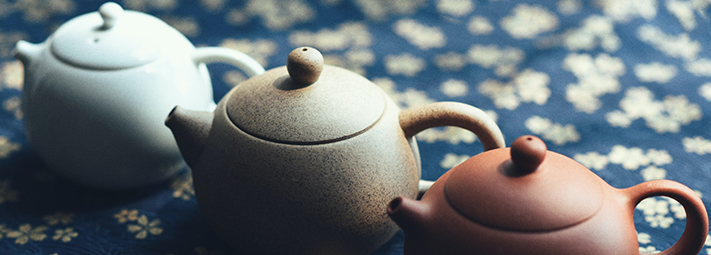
{"x":272,"y":198}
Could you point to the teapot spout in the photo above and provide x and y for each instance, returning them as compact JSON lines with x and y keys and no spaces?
{"x":190,"y":129}
{"x":27,"y":52}
{"x":408,"y":213}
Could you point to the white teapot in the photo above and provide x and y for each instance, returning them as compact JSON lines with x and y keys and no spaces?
{"x":97,"y":91}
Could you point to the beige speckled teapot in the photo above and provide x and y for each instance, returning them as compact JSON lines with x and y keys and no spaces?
{"x":528,"y":200}
{"x":305,"y":158}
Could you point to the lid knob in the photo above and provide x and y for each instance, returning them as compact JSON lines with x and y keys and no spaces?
{"x":110,"y":12}
{"x":304,"y":65}
{"x":527,"y":153}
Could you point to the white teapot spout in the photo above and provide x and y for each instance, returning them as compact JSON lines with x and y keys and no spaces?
{"x":27,"y":52}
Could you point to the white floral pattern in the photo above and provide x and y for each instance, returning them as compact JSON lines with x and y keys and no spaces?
{"x":619,"y":86}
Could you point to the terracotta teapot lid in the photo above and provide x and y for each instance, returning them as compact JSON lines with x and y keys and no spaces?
{"x":112,"y":39}
{"x":306,"y":102}
{"x":524,"y":188}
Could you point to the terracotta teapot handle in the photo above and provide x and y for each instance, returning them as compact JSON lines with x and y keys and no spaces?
{"x":226,"y":55}
{"x":417,"y":119}
{"x":697,"y":221}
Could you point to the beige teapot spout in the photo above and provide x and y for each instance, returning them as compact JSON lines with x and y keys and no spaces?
{"x":190,"y":129}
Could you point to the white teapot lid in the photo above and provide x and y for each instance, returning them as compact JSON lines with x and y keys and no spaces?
{"x":113,"y":39}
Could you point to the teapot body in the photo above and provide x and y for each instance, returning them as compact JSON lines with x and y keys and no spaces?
{"x":265,"y":197}
{"x":445,"y":231}
{"x":103,"y":128}
{"x":528,"y":200}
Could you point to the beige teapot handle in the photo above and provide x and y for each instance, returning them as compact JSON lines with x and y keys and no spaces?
{"x":697,"y":221}
{"x":417,"y":119}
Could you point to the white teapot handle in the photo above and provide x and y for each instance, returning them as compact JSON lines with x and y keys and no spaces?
{"x":225,"y":55}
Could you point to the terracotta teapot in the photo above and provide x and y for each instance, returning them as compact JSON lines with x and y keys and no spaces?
{"x":97,"y":91}
{"x":528,"y":200}
{"x":305,"y":158}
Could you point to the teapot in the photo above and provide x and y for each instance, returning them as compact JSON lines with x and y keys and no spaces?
{"x":304,"y":158}
{"x":97,"y":90}
{"x":528,"y":200}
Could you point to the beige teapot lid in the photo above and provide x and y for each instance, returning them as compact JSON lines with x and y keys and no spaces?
{"x":524,"y":188}
{"x":306,"y":102}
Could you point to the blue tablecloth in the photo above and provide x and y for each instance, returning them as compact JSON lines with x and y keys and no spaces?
{"x":620,"y":86}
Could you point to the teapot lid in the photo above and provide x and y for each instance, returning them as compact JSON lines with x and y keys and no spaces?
{"x":113,"y":39}
{"x":524,"y":188}
{"x":306,"y":102}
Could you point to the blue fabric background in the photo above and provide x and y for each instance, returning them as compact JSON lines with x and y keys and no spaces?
{"x":427,"y":51}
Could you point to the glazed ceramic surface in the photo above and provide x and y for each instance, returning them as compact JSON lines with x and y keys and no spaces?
{"x":97,"y":91}
{"x":304,"y":158}
{"x":528,"y":200}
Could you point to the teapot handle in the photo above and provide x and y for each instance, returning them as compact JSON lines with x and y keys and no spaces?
{"x":417,"y":119}
{"x":697,"y":221}
{"x":225,"y":55}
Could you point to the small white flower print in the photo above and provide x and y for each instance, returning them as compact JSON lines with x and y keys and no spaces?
{"x":697,"y":144}
{"x":479,"y":25}
{"x":65,"y":235}
{"x":653,"y":173}
{"x":7,"y":147}
{"x":629,"y":158}
{"x":454,"y":88}
{"x":656,"y":211}
{"x":648,"y":249}
{"x":665,"y":116}
{"x":644,"y":238}
{"x":503,"y":60}
{"x":280,"y":14}
{"x":452,"y":135}
{"x":684,"y":12}
{"x":12,"y":74}
{"x":144,"y":227}
{"x":456,"y":8}
{"x":406,"y":99}
{"x":527,"y":87}
{"x":13,"y":105}
{"x":596,"y":77}
{"x":569,"y":7}
{"x":451,"y":160}
{"x":404,"y":64}
{"x":26,"y":233}
{"x":595,"y":30}
{"x":700,"y":67}
{"x":624,"y":11}
{"x":183,"y":187}
{"x":592,"y":160}
{"x":382,"y":9}
{"x":528,"y":21}
{"x":451,"y":61}
{"x":346,"y":35}
{"x":422,"y":36}
{"x":550,"y":131}
{"x":679,"y":46}
{"x":126,"y":215}
{"x":655,"y":72}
